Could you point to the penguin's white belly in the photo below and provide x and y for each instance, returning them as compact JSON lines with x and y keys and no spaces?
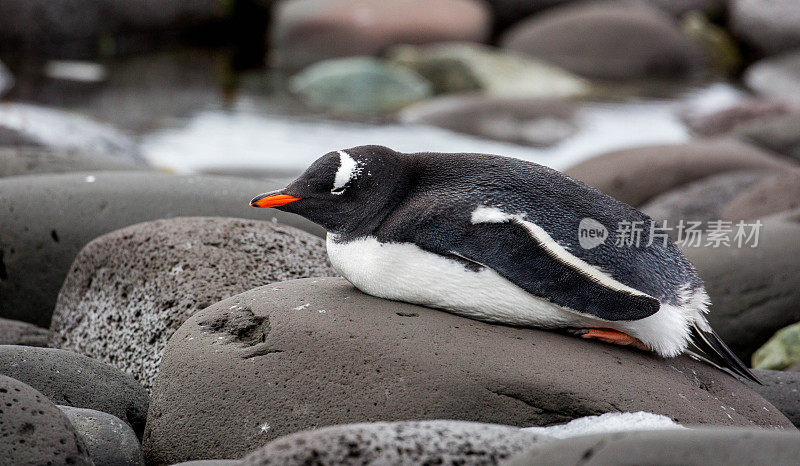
{"x":405,"y":272}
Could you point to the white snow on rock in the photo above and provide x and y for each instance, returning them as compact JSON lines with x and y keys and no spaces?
{"x":607,"y":423}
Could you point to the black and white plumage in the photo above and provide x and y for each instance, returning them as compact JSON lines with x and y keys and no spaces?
{"x":496,"y":239}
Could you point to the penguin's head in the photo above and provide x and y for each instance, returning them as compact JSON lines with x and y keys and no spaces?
{"x":345,"y":190}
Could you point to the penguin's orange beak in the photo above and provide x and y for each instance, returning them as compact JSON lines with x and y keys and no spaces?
{"x":272,"y":200}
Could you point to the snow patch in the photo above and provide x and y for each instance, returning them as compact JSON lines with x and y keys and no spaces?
{"x":607,"y":423}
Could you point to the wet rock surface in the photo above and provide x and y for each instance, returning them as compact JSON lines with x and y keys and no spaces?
{"x":636,"y":175}
{"x":15,"y":332}
{"x":608,"y":40}
{"x":782,"y":389}
{"x":17,"y":161}
{"x":51,"y":217}
{"x":34,"y":430}
{"x":326,"y":341}
{"x":531,"y":121}
{"x":109,"y":440}
{"x":712,"y":446}
{"x":128,"y":291}
{"x":307,"y":31}
{"x":71,"y":379}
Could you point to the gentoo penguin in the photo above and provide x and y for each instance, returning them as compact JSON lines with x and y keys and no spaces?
{"x":497,"y":239}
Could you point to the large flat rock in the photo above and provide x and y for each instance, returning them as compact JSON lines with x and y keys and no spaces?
{"x":316,"y":352}
{"x":27,"y":160}
{"x":128,"y":291}
{"x":47,"y":219}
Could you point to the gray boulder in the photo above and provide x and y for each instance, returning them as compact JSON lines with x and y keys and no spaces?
{"x":34,"y":431}
{"x":696,"y":447}
{"x":769,"y":26}
{"x":782,"y":389}
{"x":636,"y":175}
{"x":608,"y":40}
{"x":307,"y":31}
{"x":310,"y":353}
{"x":51,"y":217}
{"x":128,"y":291}
{"x":775,"y":76}
{"x":779,"y":134}
{"x":409,"y":442}
{"x":14,"y":332}
{"x":739,"y":116}
{"x":15,"y":161}
{"x":529,"y":121}
{"x":755,"y":291}
{"x":69,"y":378}
{"x":769,"y":196}
{"x":32,"y":125}
{"x":109,"y":440}
{"x":702,"y":200}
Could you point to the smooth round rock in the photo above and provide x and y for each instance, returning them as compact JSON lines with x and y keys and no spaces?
{"x":307,"y":31}
{"x":128,"y":291}
{"x":740,"y":116}
{"x":702,"y":200}
{"x":454,"y":67}
{"x":608,"y":40}
{"x":49,"y":218}
{"x":34,"y":431}
{"x":529,"y":121}
{"x":780,"y":352}
{"x":782,"y":389}
{"x":409,"y":442}
{"x":769,"y":26}
{"x":359,"y":85}
{"x":16,"y":161}
{"x":25,"y":124}
{"x":779,"y":134}
{"x":769,"y":196}
{"x":108,"y":439}
{"x":636,"y":175}
{"x":775,"y":76}
{"x":67,"y":377}
{"x":755,"y":291}
{"x":697,"y":446}
{"x":15,"y":332}
{"x":318,"y":352}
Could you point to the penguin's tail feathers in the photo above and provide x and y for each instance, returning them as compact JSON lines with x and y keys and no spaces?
{"x":707,"y":346}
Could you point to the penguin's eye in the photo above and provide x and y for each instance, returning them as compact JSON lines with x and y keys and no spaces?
{"x":338,"y":190}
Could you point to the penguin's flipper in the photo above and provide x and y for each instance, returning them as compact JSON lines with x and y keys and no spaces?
{"x":532,"y":260}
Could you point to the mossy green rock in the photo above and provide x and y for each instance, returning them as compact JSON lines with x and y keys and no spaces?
{"x":780,"y":351}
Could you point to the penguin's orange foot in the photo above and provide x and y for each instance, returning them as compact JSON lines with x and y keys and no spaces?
{"x":609,"y":336}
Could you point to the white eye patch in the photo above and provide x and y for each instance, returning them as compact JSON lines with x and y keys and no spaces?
{"x":348,"y":170}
